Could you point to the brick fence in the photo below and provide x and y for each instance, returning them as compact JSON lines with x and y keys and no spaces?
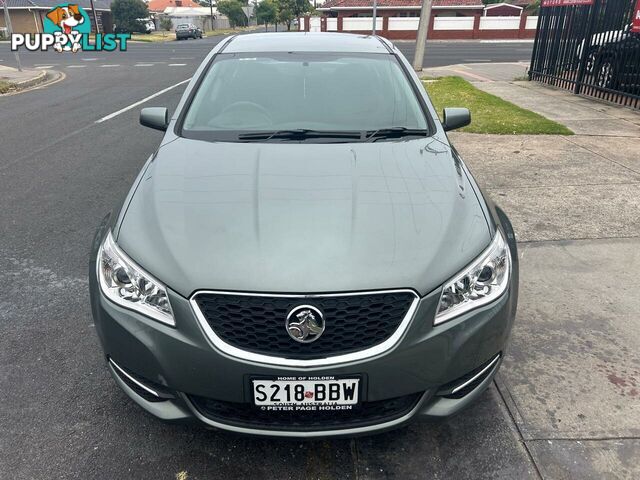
{"x":440,"y":28}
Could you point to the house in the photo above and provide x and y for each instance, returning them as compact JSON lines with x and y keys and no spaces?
{"x":199,"y":16}
{"x":399,"y":19}
{"x":400,"y":8}
{"x":27,"y":16}
{"x":503,"y":10}
{"x":159,"y":6}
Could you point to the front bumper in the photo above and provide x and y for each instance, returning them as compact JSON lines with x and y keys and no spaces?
{"x":426,"y":363}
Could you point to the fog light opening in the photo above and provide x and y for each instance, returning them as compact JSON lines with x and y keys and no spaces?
{"x":148,"y":390}
{"x":464,"y":385}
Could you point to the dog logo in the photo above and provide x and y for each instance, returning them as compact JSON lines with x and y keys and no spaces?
{"x":305,"y":324}
{"x":67,"y":28}
{"x":73,"y":22}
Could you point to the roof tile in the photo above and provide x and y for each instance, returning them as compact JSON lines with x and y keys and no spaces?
{"x":48,"y":4}
{"x":161,"y":5}
{"x":400,"y":3}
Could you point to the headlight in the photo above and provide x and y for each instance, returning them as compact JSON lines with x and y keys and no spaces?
{"x":125,"y":283}
{"x":480,"y":283}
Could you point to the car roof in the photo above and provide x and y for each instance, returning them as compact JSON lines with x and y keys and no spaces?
{"x":305,"y":42}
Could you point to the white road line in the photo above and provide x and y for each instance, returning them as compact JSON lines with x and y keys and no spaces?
{"x":76,"y":66}
{"x":140,"y":102}
{"x":88,"y":59}
{"x":143,"y":65}
{"x":109,"y":66}
{"x":177,"y":64}
{"x":181,"y":58}
{"x":43,"y":67}
{"x":47,"y":65}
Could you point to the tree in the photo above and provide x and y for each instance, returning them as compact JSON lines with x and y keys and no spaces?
{"x":233,"y":10}
{"x":126,"y":14}
{"x":165,"y":24}
{"x":288,"y":10}
{"x":267,"y":12}
{"x":301,"y":7}
{"x":533,"y":8}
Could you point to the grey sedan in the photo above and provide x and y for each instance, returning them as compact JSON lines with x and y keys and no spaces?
{"x":188,"y":30}
{"x":305,"y":254}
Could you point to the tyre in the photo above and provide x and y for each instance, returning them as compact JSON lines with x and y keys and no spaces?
{"x":605,"y":77}
{"x":592,"y":62}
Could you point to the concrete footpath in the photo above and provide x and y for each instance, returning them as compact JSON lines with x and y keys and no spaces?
{"x":584,"y":116}
{"x":571,"y":379}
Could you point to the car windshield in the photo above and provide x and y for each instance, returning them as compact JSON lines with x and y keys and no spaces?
{"x":287,"y":96}
{"x":182,"y":27}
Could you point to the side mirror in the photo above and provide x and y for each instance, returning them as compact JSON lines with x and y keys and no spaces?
{"x":453,"y":118}
{"x":155,"y":117}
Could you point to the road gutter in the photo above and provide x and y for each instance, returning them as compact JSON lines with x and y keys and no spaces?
{"x":515,"y":417}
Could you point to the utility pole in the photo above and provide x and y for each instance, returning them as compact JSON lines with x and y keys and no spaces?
{"x":95,"y":16}
{"x":10,"y":32}
{"x":423,"y":30}
{"x":375,"y":12}
{"x":211,"y":9}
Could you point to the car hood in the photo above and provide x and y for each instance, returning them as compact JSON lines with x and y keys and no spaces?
{"x":303,"y":218}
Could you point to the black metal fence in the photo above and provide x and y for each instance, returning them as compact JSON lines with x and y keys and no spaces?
{"x":590,"y":49}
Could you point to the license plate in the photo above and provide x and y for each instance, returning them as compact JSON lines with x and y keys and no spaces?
{"x":323,"y":393}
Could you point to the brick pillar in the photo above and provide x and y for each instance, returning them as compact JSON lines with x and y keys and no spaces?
{"x":476,"y":26}
{"x":385,"y":27}
{"x":432,"y":20}
{"x":323,"y":24}
{"x":306,"y":23}
{"x":523,"y":25}
{"x":339,"y":27}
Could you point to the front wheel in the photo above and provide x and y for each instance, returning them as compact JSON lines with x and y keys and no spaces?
{"x":605,"y":74}
{"x":592,"y":63}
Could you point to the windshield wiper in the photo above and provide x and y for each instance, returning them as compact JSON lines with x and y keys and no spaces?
{"x":396,"y":132}
{"x":300,"y":134}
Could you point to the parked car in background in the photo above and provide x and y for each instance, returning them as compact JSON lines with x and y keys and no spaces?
{"x":598,"y":40}
{"x":616,"y":65}
{"x":147,"y":25}
{"x":144,"y":25}
{"x":188,"y":30}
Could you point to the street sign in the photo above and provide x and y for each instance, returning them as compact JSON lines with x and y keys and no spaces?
{"x":565,"y":3}
{"x":635,"y":25}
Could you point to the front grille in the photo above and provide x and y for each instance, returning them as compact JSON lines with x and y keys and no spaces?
{"x":257,"y":323}
{"x":248,"y":416}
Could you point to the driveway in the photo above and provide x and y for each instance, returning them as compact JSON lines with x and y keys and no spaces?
{"x":571,"y":380}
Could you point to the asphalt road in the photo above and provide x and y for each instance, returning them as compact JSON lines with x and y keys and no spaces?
{"x":191,"y":52}
{"x":61,"y":414}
